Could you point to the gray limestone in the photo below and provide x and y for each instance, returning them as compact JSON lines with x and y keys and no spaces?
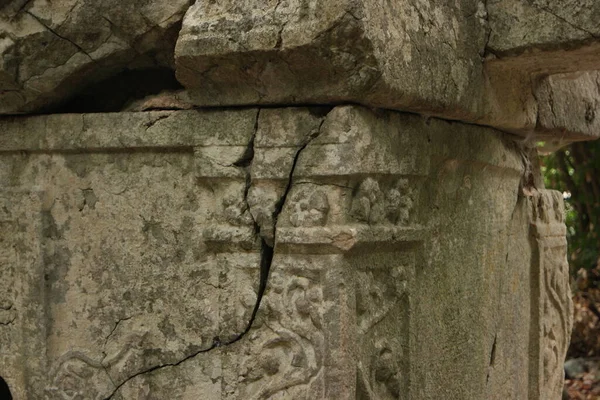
{"x":469,"y":60}
{"x":290,"y":199}
{"x":371,"y":52}
{"x":276,"y":253}
{"x":49,"y":50}
{"x":519,"y":25}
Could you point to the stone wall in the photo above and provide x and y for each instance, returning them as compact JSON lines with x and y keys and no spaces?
{"x":287,"y":200}
{"x":293,"y":253}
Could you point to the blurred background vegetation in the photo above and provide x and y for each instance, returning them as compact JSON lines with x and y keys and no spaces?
{"x":574,"y":170}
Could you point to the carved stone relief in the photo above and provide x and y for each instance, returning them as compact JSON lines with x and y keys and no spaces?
{"x":552,"y":312}
{"x":383,"y":309}
{"x":22,"y":328}
{"x":253,"y":254}
{"x":372,"y":204}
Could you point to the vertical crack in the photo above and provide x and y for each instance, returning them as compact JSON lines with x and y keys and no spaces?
{"x":267,"y":251}
{"x":484,"y":16}
{"x":245,"y":162}
{"x":492,"y":358}
{"x":115,"y":328}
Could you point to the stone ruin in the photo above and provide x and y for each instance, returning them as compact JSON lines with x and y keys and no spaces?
{"x":288,"y":199}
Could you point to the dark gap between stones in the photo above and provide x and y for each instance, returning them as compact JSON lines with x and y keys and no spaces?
{"x":4,"y":390}
{"x":115,"y":93}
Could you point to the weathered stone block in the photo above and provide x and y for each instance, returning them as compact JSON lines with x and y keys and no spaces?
{"x":468,"y":60}
{"x":323,"y":251}
{"x":50,"y":49}
{"x":379,"y":255}
{"x":422,"y":56}
{"x":570,"y":103}
{"x":531,"y":43}
{"x":520,"y":25}
{"x":552,"y":305}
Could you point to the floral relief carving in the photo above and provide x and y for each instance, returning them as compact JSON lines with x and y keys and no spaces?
{"x":288,"y":357}
{"x":399,"y":202}
{"x":309,"y":210}
{"x":383,"y":377}
{"x":556,"y":317}
{"x":77,"y":375}
{"x":377,"y":293}
{"x":554,"y":311}
{"x":368,"y":203}
{"x":235,"y":210}
{"x":375,"y":203}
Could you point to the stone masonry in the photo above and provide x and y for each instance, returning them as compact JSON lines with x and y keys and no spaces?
{"x":288,"y":199}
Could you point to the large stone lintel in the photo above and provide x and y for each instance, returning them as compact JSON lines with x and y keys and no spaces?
{"x":403,"y":55}
{"x":477,"y":62}
{"x":374,"y":54}
{"x":523,"y":91}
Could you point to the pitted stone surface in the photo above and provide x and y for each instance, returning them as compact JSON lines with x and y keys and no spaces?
{"x":570,"y":102}
{"x":470,"y":60}
{"x":136,"y":256}
{"x":408,"y":55}
{"x":517,"y":26}
{"x":49,"y":50}
{"x":310,"y":248}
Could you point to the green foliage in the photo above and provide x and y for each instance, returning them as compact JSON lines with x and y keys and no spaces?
{"x":575,"y":171}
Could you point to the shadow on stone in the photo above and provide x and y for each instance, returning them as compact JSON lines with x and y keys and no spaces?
{"x":114,"y":93}
{"x":4,"y":390}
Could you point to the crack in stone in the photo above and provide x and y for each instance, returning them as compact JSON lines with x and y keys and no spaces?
{"x":214,"y":345}
{"x":22,"y":7}
{"x":267,"y":252}
{"x":245,"y":162}
{"x":339,"y":23}
{"x":279,"y":43}
{"x":571,"y":24}
{"x":151,"y":123}
{"x":492,"y":359}
{"x":60,"y":36}
{"x":509,"y":234}
{"x":486,"y":51}
{"x":8,"y":321}
{"x":115,"y":328}
{"x":109,"y":377}
{"x":116,"y":32}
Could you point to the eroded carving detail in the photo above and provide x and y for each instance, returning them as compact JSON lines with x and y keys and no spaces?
{"x":310,"y":209}
{"x":376,"y":202}
{"x":399,"y":202}
{"x":554,"y":311}
{"x":377,"y":292}
{"x":383,"y":376}
{"x":288,"y":355}
{"x":368,"y":203}
{"x":556,"y":319}
{"x":382,"y":317}
{"x":77,"y":375}
{"x":235,"y":210}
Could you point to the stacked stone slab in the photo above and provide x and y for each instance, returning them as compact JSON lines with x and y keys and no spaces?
{"x":343,"y":226}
